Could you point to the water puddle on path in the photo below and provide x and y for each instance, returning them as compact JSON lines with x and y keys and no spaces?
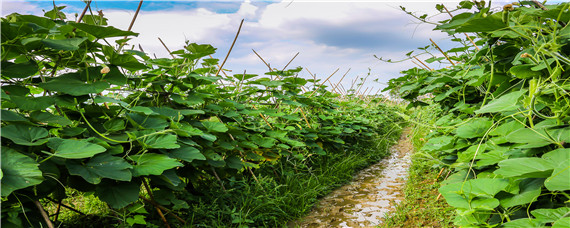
{"x":371,"y":194}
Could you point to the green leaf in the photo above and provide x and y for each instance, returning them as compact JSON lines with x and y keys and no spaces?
{"x":152,"y":164}
{"x":101,"y":32}
{"x":32,"y":103}
{"x":19,"y":70}
{"x":8,"y":115}
{"x":115,"y":76}
{"x":157,"y":141}
{"x":214,"y":126}
{"x":483,"y":24}
{"x":186,"y":153}
{"x":18,"y":171}
{"x":507,"y":102}
{"x":99,"y":167}
{"x":74,"y":87}
{"x":46,"y":117}
{"x":70,"y":44}
{"x":147,"y":122}
{"x":562,"y":223}
{"x":119,"y":194}
{"x":524,"y":71}
{"x":560,"y":178}
{"x":529,"y":191}
{"x":475,"y":128}
{"x":524,"y":222}
{"x":525,"y":167}
{"x":438,"y":143}
{"x":73,"y":149}
{"x":234,"y":162}
{"x":550,"y":215}
{"x":532,"y":137}
{"x":26,"y":135}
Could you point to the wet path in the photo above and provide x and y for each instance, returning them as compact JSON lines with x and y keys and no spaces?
{"x":371,"y":194}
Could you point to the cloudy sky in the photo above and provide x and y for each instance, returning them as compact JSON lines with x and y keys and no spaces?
{"x":327,"y":34}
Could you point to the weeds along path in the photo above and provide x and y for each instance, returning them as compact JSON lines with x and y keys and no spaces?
{"x":371,"y":194}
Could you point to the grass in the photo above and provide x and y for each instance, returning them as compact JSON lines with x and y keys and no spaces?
{"x":422,"y":206}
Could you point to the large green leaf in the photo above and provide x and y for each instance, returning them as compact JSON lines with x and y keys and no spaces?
{"x":150,"y":139}
{"x":26,"y":135}
{"x":550,"y":215}
{"x":483,"y":24}
{"x":46,"y":117}
{"x":524,"y":71}
{"x":186,"y":153}
{"x":7,"y":115}
{"x":529,"y":191}
{"x":32,"y":103}
{"x":70,"y":44}
{"x":102,"y":32}
{"x":525,"y":167}
{"x":152,"y":164}
{"x":119,"y":194}
{"x":99,"y":167}
{"x":18,"y":171}
{"x":474,"y":128}
{"x":73,"y":86}
{"x":19,"y":70}
{"x":439,"y":143}
{"x":147,"y":122}
{"x":507,"y":102}
{"x":215,"y":126}
{"x":73,"y":149}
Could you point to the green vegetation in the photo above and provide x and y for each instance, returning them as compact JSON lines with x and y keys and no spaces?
{"x":505,"y":126}
{"x":132,"y":140}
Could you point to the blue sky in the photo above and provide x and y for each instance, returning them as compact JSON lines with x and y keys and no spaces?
{"x":328,"y":34}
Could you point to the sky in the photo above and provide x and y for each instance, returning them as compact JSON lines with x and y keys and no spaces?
{"x":328,"y":35}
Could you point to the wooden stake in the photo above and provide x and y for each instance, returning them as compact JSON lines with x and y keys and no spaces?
{"x":164,"y":45}
{"x":163,"y":208}
{"x":439,"y":174}
{"x":43,"y":213}
{"x":135,"y":17}
{"x":442,"y":52}
{"x":231,"y":47}
{"x":423,"y":63}
{"x":84,"y":11}
{"x":341,"y":79}
{"x":321,"y":85}
{"x":475,"y":45}
{"x":419,"y":65}
{"x":152,"y":199}
{"x":305,"y":117}
{"x":290,"y":61}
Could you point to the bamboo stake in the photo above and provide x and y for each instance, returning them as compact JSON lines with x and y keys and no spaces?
{"x":418,"y":65}
{"x":323,"y":82}
{"x":439,"y":174}
{"x":135,"y":17}
{"x":423,"y":63}
{"x":68,"y":207}
{"x":262,"y":116}
{"x":475,"y":45}
{"x":152,"y":199}
{"x":341,"y":79}
{"x":442,"y":52}
{"x":290,"y":61}
{"x":360,"y":87}
{"x":271,"y":70}
{"x":164,"y":209}
{"x":43,"y":213}
{"x":57,"y":210}
{"x":218,"y":178}
{"x":164,"y":45}
{"x":305,"y":117}
{"x":231,"y":47}
{"x":84,"y":11}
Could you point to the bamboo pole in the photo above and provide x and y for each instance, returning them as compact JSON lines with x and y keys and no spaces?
{"x":418,"y":65}
{"x":231,"y":47}
{"x":164,"y":45}
{"x":447,"y":57}
{"x":152,"y":199}
{"x":43,"y":213}
{"x":290,"y":61}
{"x":475,"y":45}
{"x":423,"y":63}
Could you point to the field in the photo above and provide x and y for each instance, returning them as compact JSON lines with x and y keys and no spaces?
{"x":97,"y":133}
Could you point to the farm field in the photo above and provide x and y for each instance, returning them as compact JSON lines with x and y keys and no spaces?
{"x":97,"y":132}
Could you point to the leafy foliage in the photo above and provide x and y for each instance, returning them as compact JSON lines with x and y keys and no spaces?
{"x":510,"y":99}
{"x":79,"y":113}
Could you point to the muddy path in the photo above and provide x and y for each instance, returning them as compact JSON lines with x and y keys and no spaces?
{"x":372,"y":193}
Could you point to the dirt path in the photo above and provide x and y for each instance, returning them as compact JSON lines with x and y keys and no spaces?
{"x":371,"y":194}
